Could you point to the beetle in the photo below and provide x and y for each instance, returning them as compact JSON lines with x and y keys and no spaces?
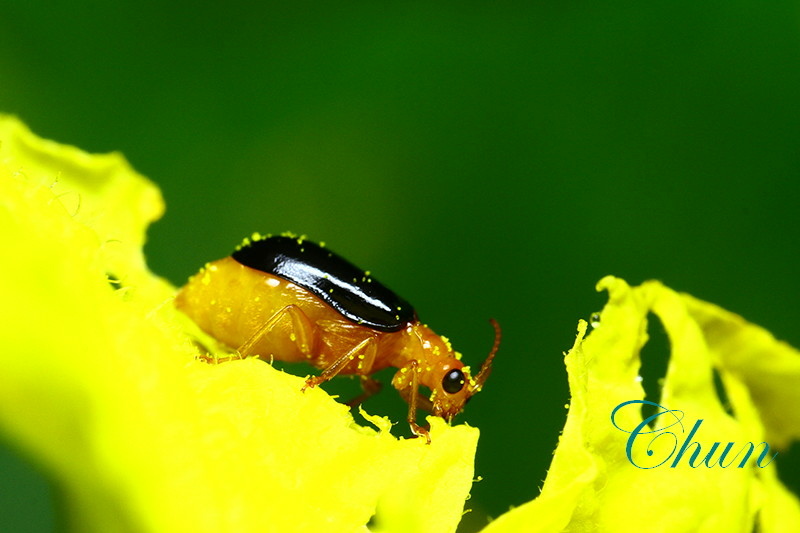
{"x":287,"y":298}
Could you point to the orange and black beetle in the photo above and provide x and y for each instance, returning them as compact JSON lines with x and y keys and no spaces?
{"x":290,"y":299}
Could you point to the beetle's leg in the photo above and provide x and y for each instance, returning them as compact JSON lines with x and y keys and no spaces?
{"x":302,"y":335}
{"x":214,"y":360}
{"x":416,"y":429}
{"x":302,"y":331}
{"x":364,"y":351}
{"x":406,"y":381}
{"x":207,"y":355}
{"x":369,"y":386}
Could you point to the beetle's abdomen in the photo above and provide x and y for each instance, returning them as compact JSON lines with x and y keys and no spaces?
{"x":337,"y":282}
{"x":231,"y":302}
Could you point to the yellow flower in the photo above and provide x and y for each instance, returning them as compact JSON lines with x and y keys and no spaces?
{"x":101,"y":385}
{"x":592,"y":484}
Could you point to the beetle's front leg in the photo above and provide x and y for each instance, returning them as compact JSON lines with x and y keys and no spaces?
{"x":406,"y":381}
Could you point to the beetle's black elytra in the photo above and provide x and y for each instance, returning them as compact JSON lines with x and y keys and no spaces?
{"x":340,"y":284}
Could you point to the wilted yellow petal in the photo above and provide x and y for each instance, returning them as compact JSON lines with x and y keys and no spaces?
{"x":593,"y":485}
{"x":770,"y":369}
{"x":101,"y":386}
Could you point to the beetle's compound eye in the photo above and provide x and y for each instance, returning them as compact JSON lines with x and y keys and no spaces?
{"x":453,"y":381}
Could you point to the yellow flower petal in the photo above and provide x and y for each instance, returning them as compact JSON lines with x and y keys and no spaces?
{"x":102,"y":386}
{"x":592,"y":485}
{"x":770,"y":369}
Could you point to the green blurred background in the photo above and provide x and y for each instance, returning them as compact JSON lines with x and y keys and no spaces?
{"x":483,"y":161}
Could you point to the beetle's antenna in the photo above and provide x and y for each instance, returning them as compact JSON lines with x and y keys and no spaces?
{"x":486,"y":367}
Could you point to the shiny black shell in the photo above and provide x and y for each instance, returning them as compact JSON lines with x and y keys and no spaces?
{"x":334,"y":280}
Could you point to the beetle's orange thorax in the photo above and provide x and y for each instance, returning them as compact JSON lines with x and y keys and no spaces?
{"x":433,"y":353}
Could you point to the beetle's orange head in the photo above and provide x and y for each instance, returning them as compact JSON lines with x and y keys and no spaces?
{"x":452,"y":385}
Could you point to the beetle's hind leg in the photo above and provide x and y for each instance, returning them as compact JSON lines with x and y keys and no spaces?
{"x":364,"y":352}
{"x":209,"y":348}
{"x":370,"y":387}
{"x":302,"y":332}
